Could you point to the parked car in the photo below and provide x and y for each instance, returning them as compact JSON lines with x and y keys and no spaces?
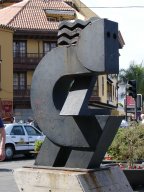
{"x":20,"y":138}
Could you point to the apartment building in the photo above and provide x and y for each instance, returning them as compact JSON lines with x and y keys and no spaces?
{"x":35,"y":26}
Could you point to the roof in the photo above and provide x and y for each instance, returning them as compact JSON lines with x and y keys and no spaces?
{"x":6,"y":27}
{"x":30,"y":14}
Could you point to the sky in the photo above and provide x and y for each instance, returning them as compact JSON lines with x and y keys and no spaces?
{"x":130,"y":18}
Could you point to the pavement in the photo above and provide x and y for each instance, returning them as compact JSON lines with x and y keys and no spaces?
{"x":7,"y":181}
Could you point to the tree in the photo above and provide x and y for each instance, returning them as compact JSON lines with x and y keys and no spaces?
{"x":134,"y":72}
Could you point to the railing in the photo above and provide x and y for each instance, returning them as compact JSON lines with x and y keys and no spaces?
{"x":23,"y":94}
{"x":94,"y":98}
{"x":27,"y":61}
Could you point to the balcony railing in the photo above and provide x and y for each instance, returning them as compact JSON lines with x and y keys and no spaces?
{"x":94,"y":98}
{"x":26,"y":61}
{"x":22,"y":94}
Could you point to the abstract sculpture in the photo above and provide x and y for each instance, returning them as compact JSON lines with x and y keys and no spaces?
{"x":76,"y":136}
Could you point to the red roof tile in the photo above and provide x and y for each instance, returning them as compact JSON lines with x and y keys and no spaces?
{"x":30,"y":14}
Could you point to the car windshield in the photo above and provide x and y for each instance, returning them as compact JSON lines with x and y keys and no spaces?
{"x":17,"y":130}
{"x":32,"y":131}
{"x":8,"y":128}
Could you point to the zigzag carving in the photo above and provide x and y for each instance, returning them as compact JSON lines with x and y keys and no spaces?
{"x":73,"y":25}
{"x":69,"y":31}
{"x":66,"y":36}
{"x":67,"y":41}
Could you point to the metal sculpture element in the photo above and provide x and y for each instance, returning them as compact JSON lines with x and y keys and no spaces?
{"x":76,"y":136}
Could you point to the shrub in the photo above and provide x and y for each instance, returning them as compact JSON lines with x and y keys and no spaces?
{"x":37,"y":145}
{"x":128,"y":144}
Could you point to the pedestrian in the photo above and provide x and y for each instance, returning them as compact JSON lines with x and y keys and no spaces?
{"x":2,"y":140}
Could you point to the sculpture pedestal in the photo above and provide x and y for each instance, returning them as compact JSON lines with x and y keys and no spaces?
{"x":48,"y":179}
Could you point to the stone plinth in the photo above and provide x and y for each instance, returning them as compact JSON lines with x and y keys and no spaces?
{"x":47,"y":179}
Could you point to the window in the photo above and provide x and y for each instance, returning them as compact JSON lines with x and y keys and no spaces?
{"x":113,"y":92}
{"x":95,"y":89}
{"x":32,"y":131}
{"x":54,"y":19}
{"x":47,"y":46}
{"x":19,"y":48}
{"x":102,"y":86}
{"x":19,"y":81}
{"x":109,"y":91}
{"x":116,"y":89}
{"x":17,"y":130}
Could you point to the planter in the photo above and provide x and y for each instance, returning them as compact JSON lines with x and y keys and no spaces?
{"x":34,"y":153}
{"x":134,"y":176}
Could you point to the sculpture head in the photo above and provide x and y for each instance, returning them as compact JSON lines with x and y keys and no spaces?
{"x":97,"y":45}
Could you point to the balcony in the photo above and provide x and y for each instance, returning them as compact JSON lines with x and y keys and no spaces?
{"x":22,"y":96}
{"x":94,"y":99}
{"x":26,"y":61}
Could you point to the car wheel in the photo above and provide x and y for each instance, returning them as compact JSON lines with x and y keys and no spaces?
{"x":9,"y":152}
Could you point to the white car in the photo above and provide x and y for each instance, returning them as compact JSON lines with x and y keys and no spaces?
{"x":20,"y":138}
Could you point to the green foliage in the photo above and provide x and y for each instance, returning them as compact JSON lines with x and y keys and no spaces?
{"x":134,"y":72}
{"x":128,"y":144}
{"x":37,"y":145}
{"x":120,"y":104}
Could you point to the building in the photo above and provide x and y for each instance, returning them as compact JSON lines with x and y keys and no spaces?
{"x":6,"y":71}
{"x":35,"y":24}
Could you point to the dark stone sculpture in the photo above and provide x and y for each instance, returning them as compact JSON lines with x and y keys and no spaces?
{"x":76,"y":136}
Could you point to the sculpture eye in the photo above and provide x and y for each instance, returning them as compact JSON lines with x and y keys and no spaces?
{"x":108,"y":34}
{"x":114,"y":36}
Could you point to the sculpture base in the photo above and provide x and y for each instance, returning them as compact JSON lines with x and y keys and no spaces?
{"x":48,"y":179}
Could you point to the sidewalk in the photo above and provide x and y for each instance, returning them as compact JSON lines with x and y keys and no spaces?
{"x":7,"y":182}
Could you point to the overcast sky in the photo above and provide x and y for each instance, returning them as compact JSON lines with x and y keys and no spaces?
{"x":131,"y":25}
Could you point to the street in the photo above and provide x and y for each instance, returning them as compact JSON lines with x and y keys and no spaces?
{"x":7,"y":182}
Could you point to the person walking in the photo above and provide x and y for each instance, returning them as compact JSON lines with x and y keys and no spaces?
{"x":2,"y":140}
